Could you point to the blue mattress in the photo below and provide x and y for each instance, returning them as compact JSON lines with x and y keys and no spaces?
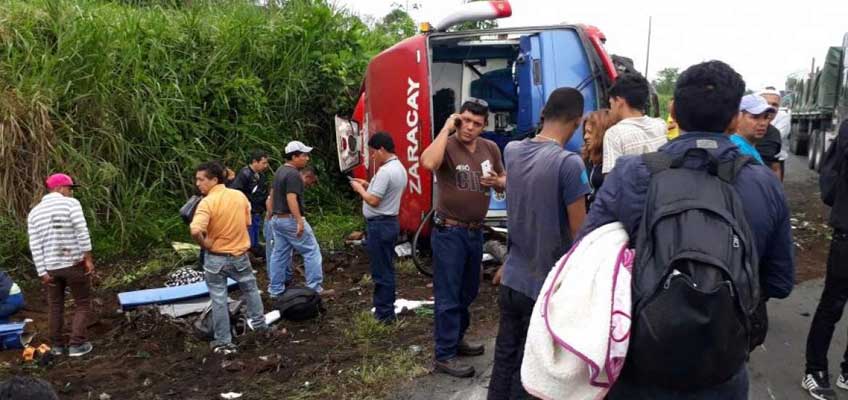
{"x":165,"y":295}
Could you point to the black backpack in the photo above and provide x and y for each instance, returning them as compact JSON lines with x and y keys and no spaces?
{"x":830,"y":176}
{"x":299,"y":304}
{"x":695,"y":279}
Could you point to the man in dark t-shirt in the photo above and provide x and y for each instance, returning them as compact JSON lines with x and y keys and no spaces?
{"x":769,"y":147}
{"x":289,"y":228}
{"x":546,"y":204}
{"x":466,"y":168}
{"x":252,"y":180}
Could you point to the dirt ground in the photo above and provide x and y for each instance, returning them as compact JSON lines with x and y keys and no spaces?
{"x":142,"y":355}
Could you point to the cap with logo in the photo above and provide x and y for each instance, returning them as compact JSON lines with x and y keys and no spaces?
{"x":296,"y":145}
{"x":59,"y":180}
{"x":754,"y":104}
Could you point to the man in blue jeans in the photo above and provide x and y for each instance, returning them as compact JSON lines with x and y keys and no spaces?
{"x":466,"y":167}
{"x":380,"y":205}
{"x":289,"y":228}
{"x":252,"y":180}
{"x":220,"y":227}
{"x":706,"y":107}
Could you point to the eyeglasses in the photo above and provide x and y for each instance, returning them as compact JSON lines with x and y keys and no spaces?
{"x":477,"y":101}
{"x":765,"y":115}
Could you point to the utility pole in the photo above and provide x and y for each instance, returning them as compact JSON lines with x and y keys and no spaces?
{"x":648,"y":55}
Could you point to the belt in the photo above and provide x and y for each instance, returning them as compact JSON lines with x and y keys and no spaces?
{"x":382,"y":218}
{"x":223,"y":254}
{"x":461,"y":224}
{"x":284,"y":215}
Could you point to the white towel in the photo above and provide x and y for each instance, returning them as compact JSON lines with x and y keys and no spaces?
{"x":580,"y":327}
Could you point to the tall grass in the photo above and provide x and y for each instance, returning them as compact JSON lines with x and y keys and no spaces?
{"x":129,"y":96}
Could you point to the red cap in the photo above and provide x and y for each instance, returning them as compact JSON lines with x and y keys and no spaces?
{"x":58,"y":180}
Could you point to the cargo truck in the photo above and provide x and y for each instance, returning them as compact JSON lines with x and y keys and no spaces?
{"x":819,"y":105}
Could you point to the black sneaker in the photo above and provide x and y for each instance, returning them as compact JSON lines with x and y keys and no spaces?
{"x":818,"y":385}
{"x":842,"y":382}
{"x":454,"y":367}
{"x":228,"y":349}
{"x":467,"y":349}
{"x":80,"y":349}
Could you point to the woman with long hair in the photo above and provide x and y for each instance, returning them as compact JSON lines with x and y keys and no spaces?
{"x":594,"y":127}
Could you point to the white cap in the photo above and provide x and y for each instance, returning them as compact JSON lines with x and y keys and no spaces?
{"x":296,"y":145}
{"x":768,"y":91}
{"x":755,"y":104}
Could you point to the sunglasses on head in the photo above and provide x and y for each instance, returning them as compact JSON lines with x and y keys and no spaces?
{"x":477,"y":101}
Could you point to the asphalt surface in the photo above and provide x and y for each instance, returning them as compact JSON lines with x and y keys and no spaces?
{"x":775,"y":368}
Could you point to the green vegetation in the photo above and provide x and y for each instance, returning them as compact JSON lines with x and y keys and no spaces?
{"x":664,"y":84}
{"x":129,"y":96}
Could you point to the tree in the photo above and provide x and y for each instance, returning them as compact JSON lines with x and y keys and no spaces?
{"x":666,"y":79}
{"x":397,"y":24}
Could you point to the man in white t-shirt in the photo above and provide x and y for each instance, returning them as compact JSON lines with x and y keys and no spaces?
{"x":635,"y":133}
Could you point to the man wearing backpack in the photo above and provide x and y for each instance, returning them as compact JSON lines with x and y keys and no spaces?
{"x":832,"y":303}
{"x":738,"y":252}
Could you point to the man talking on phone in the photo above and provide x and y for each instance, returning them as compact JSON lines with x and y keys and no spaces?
{"x":380,"y":206}
{"x":466,"y":168}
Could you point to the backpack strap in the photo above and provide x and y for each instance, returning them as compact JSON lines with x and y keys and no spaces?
{"x":656,"y":162}
{"x":728,"y":170}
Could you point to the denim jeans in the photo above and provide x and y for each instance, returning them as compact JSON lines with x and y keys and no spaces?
{"x":254,"y":229}
{"x":457,"y":254}
{"x":10,"y":306}
{"x":830,"y":308}
{"x":284,"y":232}
{"x":516,"y":309}
{"x":217,"y":269}
{"x":382,"y":234}
{"x":736,"y":388}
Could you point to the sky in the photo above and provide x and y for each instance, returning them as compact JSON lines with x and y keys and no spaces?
{"x":765,"y":42}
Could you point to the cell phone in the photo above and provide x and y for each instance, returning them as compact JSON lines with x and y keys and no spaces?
{"x":457,"y":123}
{"x":349,"y":178}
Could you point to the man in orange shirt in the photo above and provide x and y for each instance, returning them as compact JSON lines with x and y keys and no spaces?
{"x":219,"y":226}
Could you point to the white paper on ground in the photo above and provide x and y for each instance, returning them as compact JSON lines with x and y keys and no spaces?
{"x":404,"y":249}
{"x":270,"y":318}
{"x":408,"y":305}
{"x":231,"y":396}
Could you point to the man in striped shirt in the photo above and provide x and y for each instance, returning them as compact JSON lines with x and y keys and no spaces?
{"x":61,"y":252}
{"x":635,"y":133}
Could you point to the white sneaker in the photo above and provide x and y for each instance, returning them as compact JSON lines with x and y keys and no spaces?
{"x":818,"y":385}
{"x":842,"y":383}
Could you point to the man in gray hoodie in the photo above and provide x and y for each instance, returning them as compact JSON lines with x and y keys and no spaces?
{"x":635,"y":133}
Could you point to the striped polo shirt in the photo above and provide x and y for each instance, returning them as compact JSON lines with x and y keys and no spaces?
{"x":58,"y":234}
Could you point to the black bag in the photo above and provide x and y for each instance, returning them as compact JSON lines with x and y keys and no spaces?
{"x":695,"y":280}
{"x":830,"y":176}
{"x":299,"y":304}
{"x":188,"y":209}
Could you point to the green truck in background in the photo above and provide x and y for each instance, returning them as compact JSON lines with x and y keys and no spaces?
{"x":819,"y":105}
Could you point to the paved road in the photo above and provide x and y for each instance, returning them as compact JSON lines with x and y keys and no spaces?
{"x":775,"y":368}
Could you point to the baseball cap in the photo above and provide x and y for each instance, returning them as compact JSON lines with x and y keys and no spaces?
{"x":754,"y":104}
{"x":58,"y":180}
{"x":296,"y":145}
{"x":772,"y":92}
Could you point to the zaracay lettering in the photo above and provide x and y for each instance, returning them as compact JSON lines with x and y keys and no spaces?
{"x":412,"y":135}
